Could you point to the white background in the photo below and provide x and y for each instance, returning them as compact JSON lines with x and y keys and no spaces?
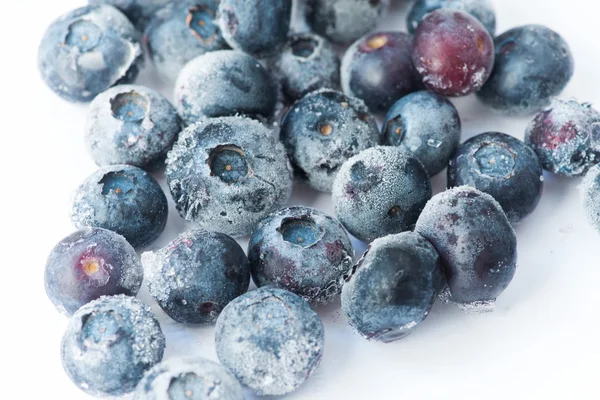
{"x":543,"y":341}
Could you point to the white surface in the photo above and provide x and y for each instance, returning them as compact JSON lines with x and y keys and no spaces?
{"x":543,"y":341}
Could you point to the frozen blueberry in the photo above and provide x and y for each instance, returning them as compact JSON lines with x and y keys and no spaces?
{"x":480,"y":9}
{"x":109,"y":344}
{"x":227,"y":174}
{"x":427,"y":125}
{"x":256,"y":27}
{"x":224,"y":83}
{"x":123,"y":199}
{"x":90,"y":263}
{"x":131,"y":124}
{"x":566,"y":137}
{"x":533,"y":64}
{"x":476,"y":243}
{"x":380,"y":191}
{"x":590,"y":194}
{"x":323,"y":130}
{"x":308,"y":62}
{"x":270,"y":339}
{"x":88,"y":50}
{"x":181,"y":32}
{"x":503,"y":167}
{"x":378,"y":69}
{"x":195,"y":276}
{"x":395,"y":284}
{"x":139,"y":12}
{"x":188,"y":378}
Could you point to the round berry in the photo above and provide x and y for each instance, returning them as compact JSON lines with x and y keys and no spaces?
{"x":480,"y":9}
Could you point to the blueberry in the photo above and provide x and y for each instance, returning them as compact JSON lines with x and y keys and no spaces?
{"x":88,"y":50}
{"x":480,"y":9}
{"x":90,"y":263}
{"x":533,"y":64}
{"x":224,"y":83}
{"x":476,"y":243}
{"x":380,"y":191}
{"x":139,"y":12}
{"x":503,"y":167}
{"x":188,"y":378}
{"x":109,"y":344}
{"x":270,"y":339}
{"x":308,"y":62}
{"x":181,"y":32}
{"x":590,"y":194}
{"x":378,"y":69}
{"x":123,"y":199}
{"x":395,"y":284}
{"x":226,"y":174}
{"x":566,"y":137}
{"x":256,"y":27}
{"x":323,"y":130}
{"x":427,"y":125}
{"x":195,"y":276}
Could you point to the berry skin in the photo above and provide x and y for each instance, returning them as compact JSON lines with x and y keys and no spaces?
{"x":139,"y":12}
{"x":590,"y":195}
{"x":302,"y":250}
{"x":395,"y":284}
{"x":195,"y":276}
{"x":503,"y":167}
{"x":453,"y":52}
{"x":90,"y":263}
{"x":270,"y":340}
{"x":427,"y":125}
{"x":88,"y":50}
{"x":323,"y":130}
{"x":480,"y":9}
{"x":476,"y":243}
{"x":109,"y":344}
{"x":566,"y":137}
{"x":378,"y":69}
{"x":533,"y":64}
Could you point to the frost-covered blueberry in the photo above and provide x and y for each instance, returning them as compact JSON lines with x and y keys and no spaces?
{"x":533,"y":64}
{"x":323,"y":130}
{"x":590,"y":195}
{"x":131,"y":124}
{"x":427,"y":125}
{"x":395,"y":284}
{"x":139,"y":12}
{"x":270,"y":339}
{"x":227,"y":174}
{"x":503,"y":167}
{"x":181,"y":32}
{"x":224,"y":83}
{"x":109,"y":344}
{"x":123,"y":199}
{"x":378,"y":69}
{"x":195,"y":276}
{"x":380,"y":191}
{"x":308,"y":62}
{"x":566,"y":137}
{"x":480,"y":9}
{"x":476,"y":243}
{"x":88,"y":50}
{"x":188,"y":378}
{"x":257,"y":27}
{"x":90,"y":263}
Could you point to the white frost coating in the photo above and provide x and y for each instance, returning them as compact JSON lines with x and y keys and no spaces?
{"x":590,"y":196}
{"x":93,"y":61}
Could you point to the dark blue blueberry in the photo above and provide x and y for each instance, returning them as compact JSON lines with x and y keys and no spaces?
{"x":109,"y":344}
{"x":503,"y":167}
{"x":224,"y":83}
{"x":396,"y":282}
{"x":427,"y":125}
{"x":123,"y":199}
{"x":188,"y":378}
{"x":380,"y":191}
{"x":270,"y":339}
{"x":533,"y":64}
{"x":90,"y":263}
{"x":590,"y":194}
{"x":378,"y":69}
{"x":566,"y":137}
{"x":256,"y":27}
{"x":323,"y":130}
{"x":139,"y":12}
{"x":227,"y":174}
{"x":476,"y":243}
{"x":88,"y":50}
{"x":480,"y":9}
